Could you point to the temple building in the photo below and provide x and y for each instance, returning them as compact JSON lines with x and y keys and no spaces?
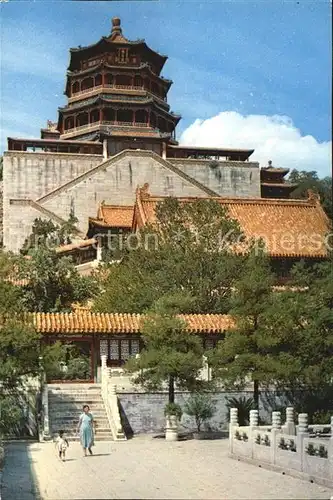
{"x":117,"y":132}
{"x":117,"y":336}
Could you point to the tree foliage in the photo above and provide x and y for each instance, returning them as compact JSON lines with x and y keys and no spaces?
{"x":53,"y":282}
{"x":282,"y":340}
{"x":184,"y":250}
{"x":23,"y":355}
{"x":171,"y":354}
{"x":240,"y":358}
{"x":201,"y":407}
{"x":310,"y":180}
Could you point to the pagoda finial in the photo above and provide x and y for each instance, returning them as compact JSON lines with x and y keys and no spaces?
{"x":116,"y":25}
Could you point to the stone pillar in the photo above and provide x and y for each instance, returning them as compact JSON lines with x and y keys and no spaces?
{"x":104,"y":369}
{"x":233,"y":423}
{"x":164,"y":150}
{"x":289,"y":427}
{"x":105,"y":149}
{"x":234,"y":417}
{"x":276,"y":420}
{"x":302,"y":423}
{"x":254,"y":418}
{"x":46,"y":423}
{"x":103,"y":362}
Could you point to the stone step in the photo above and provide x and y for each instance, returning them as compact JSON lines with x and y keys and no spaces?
{"x":102,"y":422}
{"x":74,"y":397}
{"x":71,"y":412}
{"x":76,"y":404}
{"x":74,"y":391}
{"x":71,"y":429}
{"x":70,"y":393}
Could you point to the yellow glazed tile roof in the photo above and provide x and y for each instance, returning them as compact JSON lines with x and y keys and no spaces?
{"x":289,"y":228}
{"x":85,"y":322}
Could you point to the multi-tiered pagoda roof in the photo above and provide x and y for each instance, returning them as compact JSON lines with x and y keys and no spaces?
{"x":115,"y":88}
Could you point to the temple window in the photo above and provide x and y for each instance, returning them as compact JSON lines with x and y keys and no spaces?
{"x":94,"y":116}
{"x":141,"y":116}
{"x":122,"y":55}
{"x":138,"y":81}
{"x":69,"y":123}
{"x":123,"y":80}
{"x":82,"y":119}
{"x":98,"y":80}
{"x":75,"y":87}
{"x":109,"y":115}
{"x":118,"y":351}
{"x":125,"y":115}
{"x":87,"y":83}
{"x":109,"y":79}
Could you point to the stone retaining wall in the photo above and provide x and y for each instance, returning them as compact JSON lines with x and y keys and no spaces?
{"x":144,"y":411}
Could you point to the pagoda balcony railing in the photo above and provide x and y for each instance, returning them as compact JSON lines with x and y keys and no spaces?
{"x":114,"y":87}
{"x":89,"y":126}
{"x":126,"y":124}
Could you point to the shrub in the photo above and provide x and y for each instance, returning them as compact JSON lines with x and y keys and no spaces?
{"x":78,"y":369}
{"x":200,"y":406}
{"x":244,"y":405}
{"x":173,"y":409}
{"x":10,"y":415}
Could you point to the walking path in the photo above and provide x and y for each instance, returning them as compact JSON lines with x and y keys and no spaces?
{"x":145,"y":468}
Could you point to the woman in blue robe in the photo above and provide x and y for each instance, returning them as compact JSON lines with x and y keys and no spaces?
{"x":86,"y":429}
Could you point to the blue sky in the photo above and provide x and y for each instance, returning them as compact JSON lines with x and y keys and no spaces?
{"x":253,"y":58}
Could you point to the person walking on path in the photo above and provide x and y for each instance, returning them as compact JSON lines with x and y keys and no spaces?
{"x":62,"y":444}
{"x":86,"y":429}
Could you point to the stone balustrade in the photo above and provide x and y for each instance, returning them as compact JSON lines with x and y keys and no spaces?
{"x":285,"y":448}
{"x":110,"y":399}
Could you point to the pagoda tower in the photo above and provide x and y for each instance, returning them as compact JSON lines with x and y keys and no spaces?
{"x":116,"y":95}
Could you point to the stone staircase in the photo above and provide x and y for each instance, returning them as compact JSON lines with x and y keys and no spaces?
{"x":65,"y":407}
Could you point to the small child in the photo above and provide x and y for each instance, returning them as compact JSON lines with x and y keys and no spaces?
{"x":62,"y":445}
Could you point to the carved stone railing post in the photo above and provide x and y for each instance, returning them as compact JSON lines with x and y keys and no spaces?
{"x":46,"y":421}
{"x":234,"y":417}
{"x":104,"y":370}
{"x":276,"y":420}
{"x":302,"y":432}
{"x":303,"y":423}
{"x":289,"y":427}
{"x":233,"y":423}
{"x":254,"y":418}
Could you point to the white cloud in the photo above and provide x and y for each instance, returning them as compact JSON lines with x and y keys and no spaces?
{"x":272,"y":137}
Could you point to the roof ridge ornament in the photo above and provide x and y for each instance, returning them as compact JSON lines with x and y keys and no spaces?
{"x":144,"y":191}
{"x":313,"y":197}
{"x":116,"y":26}
{"x":116,"y":31}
